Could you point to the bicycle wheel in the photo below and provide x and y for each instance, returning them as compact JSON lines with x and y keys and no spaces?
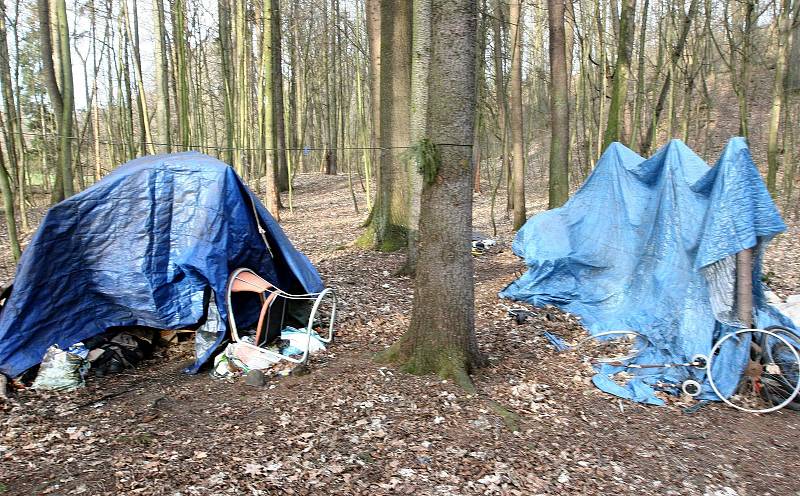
{"x":770,"y":381}
{"x":611,"y":347}
{"x":780,"y":351}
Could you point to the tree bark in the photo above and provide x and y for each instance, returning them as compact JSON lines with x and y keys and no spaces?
{"x":282,"y":166}
{"x":162,"y":79}
{"x":619,"y":85}
{"x":786,"y":16}
{"x":67,"y":95}
{"x":389,"y":221}
{"x":559,"y":107}
{"x":267,"y":98}
{"x":515,"y":19}
{"x":420,"y":69}
{"x":441,"y":335}
{"x":51,"y":83}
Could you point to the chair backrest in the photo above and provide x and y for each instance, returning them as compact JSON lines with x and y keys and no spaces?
{"x":246,"y":281}
{"x":249,"y":281}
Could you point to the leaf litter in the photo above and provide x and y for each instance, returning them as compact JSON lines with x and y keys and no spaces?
{"x":353,"y":427}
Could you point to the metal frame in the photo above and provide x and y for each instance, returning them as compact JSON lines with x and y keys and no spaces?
{"x":246,"y":280}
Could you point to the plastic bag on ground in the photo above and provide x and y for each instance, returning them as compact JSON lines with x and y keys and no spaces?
{"x":62,"y":370}
{"x":299,"y":340}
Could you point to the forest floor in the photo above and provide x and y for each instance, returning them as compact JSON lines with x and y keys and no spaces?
{"x":351,"y":426}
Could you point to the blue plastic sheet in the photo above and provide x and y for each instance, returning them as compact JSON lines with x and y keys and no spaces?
{"x":650,"y":245}
{"x":145,"y":246}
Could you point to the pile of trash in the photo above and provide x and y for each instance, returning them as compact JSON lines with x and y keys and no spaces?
{"x":238,"y":359}
{"x":481,"y":243}
{"x":108,"y":353}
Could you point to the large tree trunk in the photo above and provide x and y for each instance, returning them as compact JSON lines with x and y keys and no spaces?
{"x":559,"y":107}
{"x":374,"y":34}
{"x":441,"y":335}
{"x":515,"y":111}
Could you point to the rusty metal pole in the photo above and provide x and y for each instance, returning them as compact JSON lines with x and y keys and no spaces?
{"x":744,"y":287}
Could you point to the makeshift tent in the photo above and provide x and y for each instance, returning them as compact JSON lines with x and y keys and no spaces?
{"x":148,"y":245}
{"x":650,"y":246}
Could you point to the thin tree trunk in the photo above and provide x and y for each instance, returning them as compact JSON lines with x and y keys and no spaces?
{"x":67,"y":94}
{"x":677,"y":52}
{"x":163,"y":120}
{"x":8,"y":208}
{"x":282,"y":166}
{"x":787,"y":15}
{"x":559,"y":108}
{"x":619,"y":90}
{"x":268,"y":131}
{"x":515,"y":19}
{"x":420,"y":70}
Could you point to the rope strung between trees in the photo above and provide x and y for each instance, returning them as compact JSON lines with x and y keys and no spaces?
{"x":233,"y":148}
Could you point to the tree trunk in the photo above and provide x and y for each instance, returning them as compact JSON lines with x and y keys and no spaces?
{"x":784,"y":31}
{"x":640,"y":84}
{"x":374,"y":34}
{"x":441,"y":335}
{"x":51,"y":83}
{"x":67,"y":95}
{"x":559,"y":107}
{"x":515,"y":18}
{"x":282,"y":166}
{"x":268,"y":131}
{"x":228,"y":85}
{"x":8,"y":208}
{"x":389,"y":221}
{"x":420,"y":69}
{"x":677,"y":52}
{"x":619,"y":89}
{"x":179,"y":36}
{"x":162,"y":79}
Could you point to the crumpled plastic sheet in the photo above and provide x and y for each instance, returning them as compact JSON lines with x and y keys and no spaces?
{"x":205,"y":338}
{"x":649,"y":245}
{"x":62,"y":370}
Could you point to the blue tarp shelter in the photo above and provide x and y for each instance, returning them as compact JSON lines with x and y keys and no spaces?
{"x":650,"y":246}
{"x":145,"y":246}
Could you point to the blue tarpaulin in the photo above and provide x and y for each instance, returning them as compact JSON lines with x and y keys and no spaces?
{"x":142,"y":247}
{"x":650,"y":246}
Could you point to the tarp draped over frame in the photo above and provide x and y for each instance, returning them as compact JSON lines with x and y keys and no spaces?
{"x":650,"y":246}
{"x":142,"y":247}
